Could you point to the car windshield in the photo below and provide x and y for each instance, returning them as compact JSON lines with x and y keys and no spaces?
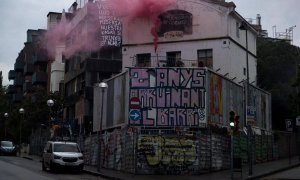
{"x":6,"y":144}
{"x":66,"y":148}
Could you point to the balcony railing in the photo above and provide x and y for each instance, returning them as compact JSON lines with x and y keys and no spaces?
{"x":19,"y":66}
{"x":11,"y":89}
{"x":16,"y":97}
{"x":28,"y":69}
{"x":27,"y":87}
{"x":11,"y":74}
{"x":103,"y":65}
{"x":89,"y":92}
{"x":163,"y":61}
{"x":18,"y":81}
{"x":40,"y":59}
{"x":39,"y":78}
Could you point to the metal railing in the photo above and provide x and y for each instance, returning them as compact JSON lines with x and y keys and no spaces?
{"x":163,"y":61}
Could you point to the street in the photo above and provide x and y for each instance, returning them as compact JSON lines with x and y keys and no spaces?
{"x":16,"y":168}
{"x":287,"y":174}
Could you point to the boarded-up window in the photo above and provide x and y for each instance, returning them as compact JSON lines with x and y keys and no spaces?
{"x":175,"y":20}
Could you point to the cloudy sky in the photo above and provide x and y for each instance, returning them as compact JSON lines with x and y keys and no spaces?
{"x":19,"y":15}
{"x":280,"y":13}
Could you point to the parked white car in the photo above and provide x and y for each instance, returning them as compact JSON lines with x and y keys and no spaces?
{"x":59,"y":154}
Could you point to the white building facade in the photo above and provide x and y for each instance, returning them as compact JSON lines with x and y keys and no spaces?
{"x":198,"y":33}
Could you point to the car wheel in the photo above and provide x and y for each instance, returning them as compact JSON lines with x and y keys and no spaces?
{"x":43,"y":166}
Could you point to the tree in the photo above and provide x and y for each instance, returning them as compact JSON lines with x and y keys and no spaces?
{"x":277,"y":64}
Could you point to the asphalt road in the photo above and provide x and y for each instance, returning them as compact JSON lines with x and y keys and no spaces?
{"x":16,"y":168}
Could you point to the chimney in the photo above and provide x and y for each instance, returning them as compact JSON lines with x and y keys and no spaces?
{"x":73,"y":8}
{"x":258,"y":19}
{"x":74,"y":5}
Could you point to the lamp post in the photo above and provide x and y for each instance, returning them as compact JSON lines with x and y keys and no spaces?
{"x":50,"y":103}
{"x":6,"y":116}
{"x":21,"y":111}
{"x":244,"y":26}
{"x":103,"y":86}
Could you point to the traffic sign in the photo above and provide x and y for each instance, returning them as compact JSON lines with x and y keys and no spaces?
{"x":134,"y":103}
{"x":289,"y":124}
{"x":135,"y":115}
{"x":298,"y":121}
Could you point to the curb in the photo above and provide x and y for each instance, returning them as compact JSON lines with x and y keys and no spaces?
{"x":273,"y":172}
{"x":25,"y":157}
{"x":101,"y":175}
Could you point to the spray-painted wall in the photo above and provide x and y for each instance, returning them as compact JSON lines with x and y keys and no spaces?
{"x":167,"y":97}
{"x":115,"y":103}
{"x":172,"y":121}
{"x":176,"y":97}
{"x":259,"y":110}
{"x":223,"y":96}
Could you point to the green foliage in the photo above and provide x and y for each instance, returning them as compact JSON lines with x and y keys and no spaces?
{"x":277,"y":64}
{"x":36,"y":113}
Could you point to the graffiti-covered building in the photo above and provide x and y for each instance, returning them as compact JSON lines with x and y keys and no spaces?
{"x":184,"y":67}
{"x":172,"y":120}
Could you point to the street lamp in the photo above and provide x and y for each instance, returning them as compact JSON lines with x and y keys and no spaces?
{"x":50,"y":103}
{"x":103,"y":86}
{"x":21,"y":111}
{"x":244,"y":26}
{"x":6,"y":116}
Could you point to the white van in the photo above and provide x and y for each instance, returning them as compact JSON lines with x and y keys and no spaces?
{"x":58,"y":154}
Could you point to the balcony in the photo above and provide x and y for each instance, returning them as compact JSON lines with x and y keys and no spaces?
{"x":39,"y":78}
{"x":163,"y":61}
{"x":11,"y":74}
{"x":28,"y":69}
{"x":89,"y":93}
{"x":27,"y":87}
{"x":34,"y":99}
{"x":40,"y":59}
{"x":17,"y":97}
{"x":71,"y":99}
{"x":106,"y":66}
{"x":18,"y":81}
{"x":19,"y":66}
{"x":11,"y":89}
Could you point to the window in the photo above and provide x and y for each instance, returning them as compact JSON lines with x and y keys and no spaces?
{"x":205,"y":58}
{"x":107,"y":53}
{"x":66,"y":148}
{"x":173,"y":59}
{"x":143,"y":60}
{"x":63,"y":59}
{"x":237,"y":29}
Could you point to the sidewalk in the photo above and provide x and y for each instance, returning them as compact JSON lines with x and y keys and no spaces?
{"x":259,"y":170}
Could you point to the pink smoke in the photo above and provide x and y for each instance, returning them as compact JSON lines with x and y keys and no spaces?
{"x":143,"y":9}
{"x":85,"y":36}
{"x":53,"y":37}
